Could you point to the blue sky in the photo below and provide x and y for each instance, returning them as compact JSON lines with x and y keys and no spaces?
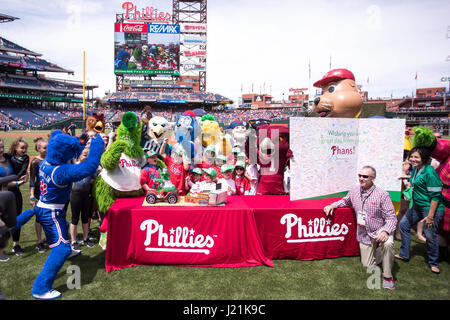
{"x":265,"y":43}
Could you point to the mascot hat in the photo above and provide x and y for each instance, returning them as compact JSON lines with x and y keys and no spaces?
{"x":334,"y":75}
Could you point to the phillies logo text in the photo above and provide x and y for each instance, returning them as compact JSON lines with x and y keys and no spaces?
{"x":180,"y":239}
{"x":318,"y":229}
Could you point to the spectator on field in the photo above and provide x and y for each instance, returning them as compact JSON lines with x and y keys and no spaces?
{"x":72,"y":128}
{"x":6,"y":169}
{"x":81,"y":205}
{"x":40,"y":145}
{"x":20,"y":161}
{"x":376,"y":221}
{"x":427,"y":203}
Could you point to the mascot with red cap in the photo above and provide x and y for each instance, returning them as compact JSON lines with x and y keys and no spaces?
{"x":340,"y":96}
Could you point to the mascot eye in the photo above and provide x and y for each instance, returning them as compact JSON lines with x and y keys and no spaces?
{"x":281,"y":138}
{"x":331,"y":89}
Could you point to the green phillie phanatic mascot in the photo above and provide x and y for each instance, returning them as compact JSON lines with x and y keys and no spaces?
{"x":121,"y":168}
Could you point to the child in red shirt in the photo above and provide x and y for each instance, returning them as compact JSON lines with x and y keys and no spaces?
{"x":219,"y":161}
{"x":178,"y":167}
{"x":194,"y":177}
{"x":150,"y":171}
{"x":242,"y":183}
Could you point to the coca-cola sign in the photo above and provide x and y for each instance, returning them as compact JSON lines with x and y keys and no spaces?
{"x":131,"y":27}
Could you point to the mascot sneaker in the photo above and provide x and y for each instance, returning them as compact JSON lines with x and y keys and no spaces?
{"x":49,"y":295}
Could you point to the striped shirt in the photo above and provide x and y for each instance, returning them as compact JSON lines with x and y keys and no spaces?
{"x":380,"y":213}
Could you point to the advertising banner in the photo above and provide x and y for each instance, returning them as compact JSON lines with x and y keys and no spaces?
{"x":193,"y":27}
{"x":330,"y":152}
{"x":146,"y":49}
{"x":193,"y":39}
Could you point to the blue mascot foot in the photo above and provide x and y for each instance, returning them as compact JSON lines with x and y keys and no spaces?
{"x":49,"y":295}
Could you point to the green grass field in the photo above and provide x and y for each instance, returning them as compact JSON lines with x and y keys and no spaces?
{"x":340,"y":278}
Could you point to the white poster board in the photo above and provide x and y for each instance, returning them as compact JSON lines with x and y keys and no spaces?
{"x":330,"y":152}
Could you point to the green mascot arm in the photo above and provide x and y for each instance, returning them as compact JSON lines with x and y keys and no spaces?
{"x":110,"y":159}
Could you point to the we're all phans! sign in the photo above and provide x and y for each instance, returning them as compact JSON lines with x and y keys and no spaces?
{"x":330,"y":152}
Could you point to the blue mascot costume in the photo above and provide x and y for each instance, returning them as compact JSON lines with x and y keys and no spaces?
{"x":56,"y":174}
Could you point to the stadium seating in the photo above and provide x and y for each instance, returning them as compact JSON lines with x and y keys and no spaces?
{"x":23,"y":116}
{"x":35,"y":83}
{"x":5,"y":43}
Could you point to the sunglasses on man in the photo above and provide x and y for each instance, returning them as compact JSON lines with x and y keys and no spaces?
{"x":364,"y":176}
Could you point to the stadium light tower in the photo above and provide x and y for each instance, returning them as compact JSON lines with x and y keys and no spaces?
{"x":192,"y":13}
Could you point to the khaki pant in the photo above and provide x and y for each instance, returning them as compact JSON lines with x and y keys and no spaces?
{"x":371,"y":255}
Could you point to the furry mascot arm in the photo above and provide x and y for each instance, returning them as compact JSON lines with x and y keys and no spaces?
{"x":424,"y":138}
{"x":68,"y":173}
{"x":110,"y":159}
{"x":440,"y":148}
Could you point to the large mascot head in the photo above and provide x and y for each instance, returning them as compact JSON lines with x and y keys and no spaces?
{"x":210,"y":130}
{"x":240,"y":130}
{"x":273,"y":145}
{"x":129,"y":131}
{"x":186,"y":130}
{"x":96,"y":122}
{"x":340,"y":97}
{"x":186,"y":127}
{"x":62,"y":148}
{"x":158,"y":128}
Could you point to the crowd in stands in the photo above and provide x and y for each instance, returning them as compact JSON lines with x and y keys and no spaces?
{"x":32,"y":63}
{"x":35,"y":83}
{"x":174,"y":95}
{"x":32,"y":117}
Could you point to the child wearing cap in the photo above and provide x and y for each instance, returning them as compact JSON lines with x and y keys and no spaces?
{"x":207,"y":185}
{"x":234,"y":155}
{"x":208,"y":158}
{"x":219,"y":161}
{"x":241,"y":181}
{"x":150,"y":171}
{"x":193,"y":178}
{"x":178,"y":166}
{"x":227,"y":181}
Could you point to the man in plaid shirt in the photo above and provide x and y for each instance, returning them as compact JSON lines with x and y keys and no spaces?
{"x":376,"y":222}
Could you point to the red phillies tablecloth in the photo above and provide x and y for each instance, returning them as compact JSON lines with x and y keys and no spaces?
{"x":219,"y":236}
{"x":300,"y":230}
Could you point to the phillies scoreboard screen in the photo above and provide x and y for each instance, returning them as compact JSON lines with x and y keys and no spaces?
{"x":146,"y":49}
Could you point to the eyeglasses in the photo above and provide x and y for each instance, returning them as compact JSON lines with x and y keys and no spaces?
{"x":239,"y":168}
{"x":364,"y":176}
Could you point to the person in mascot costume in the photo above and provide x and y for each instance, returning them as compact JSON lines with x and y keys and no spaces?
{"x":340,"y":97}
{"x":273,"y":154}
{"x":240,"y":130}
{"x":157,"y":130}
{"x":121,"y":169}
{"x":440,"y":150}
{"x":186,"y":130}
{"x":96,"y":123}
{"x":212,"y":136}
{"x":56,"y":175}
